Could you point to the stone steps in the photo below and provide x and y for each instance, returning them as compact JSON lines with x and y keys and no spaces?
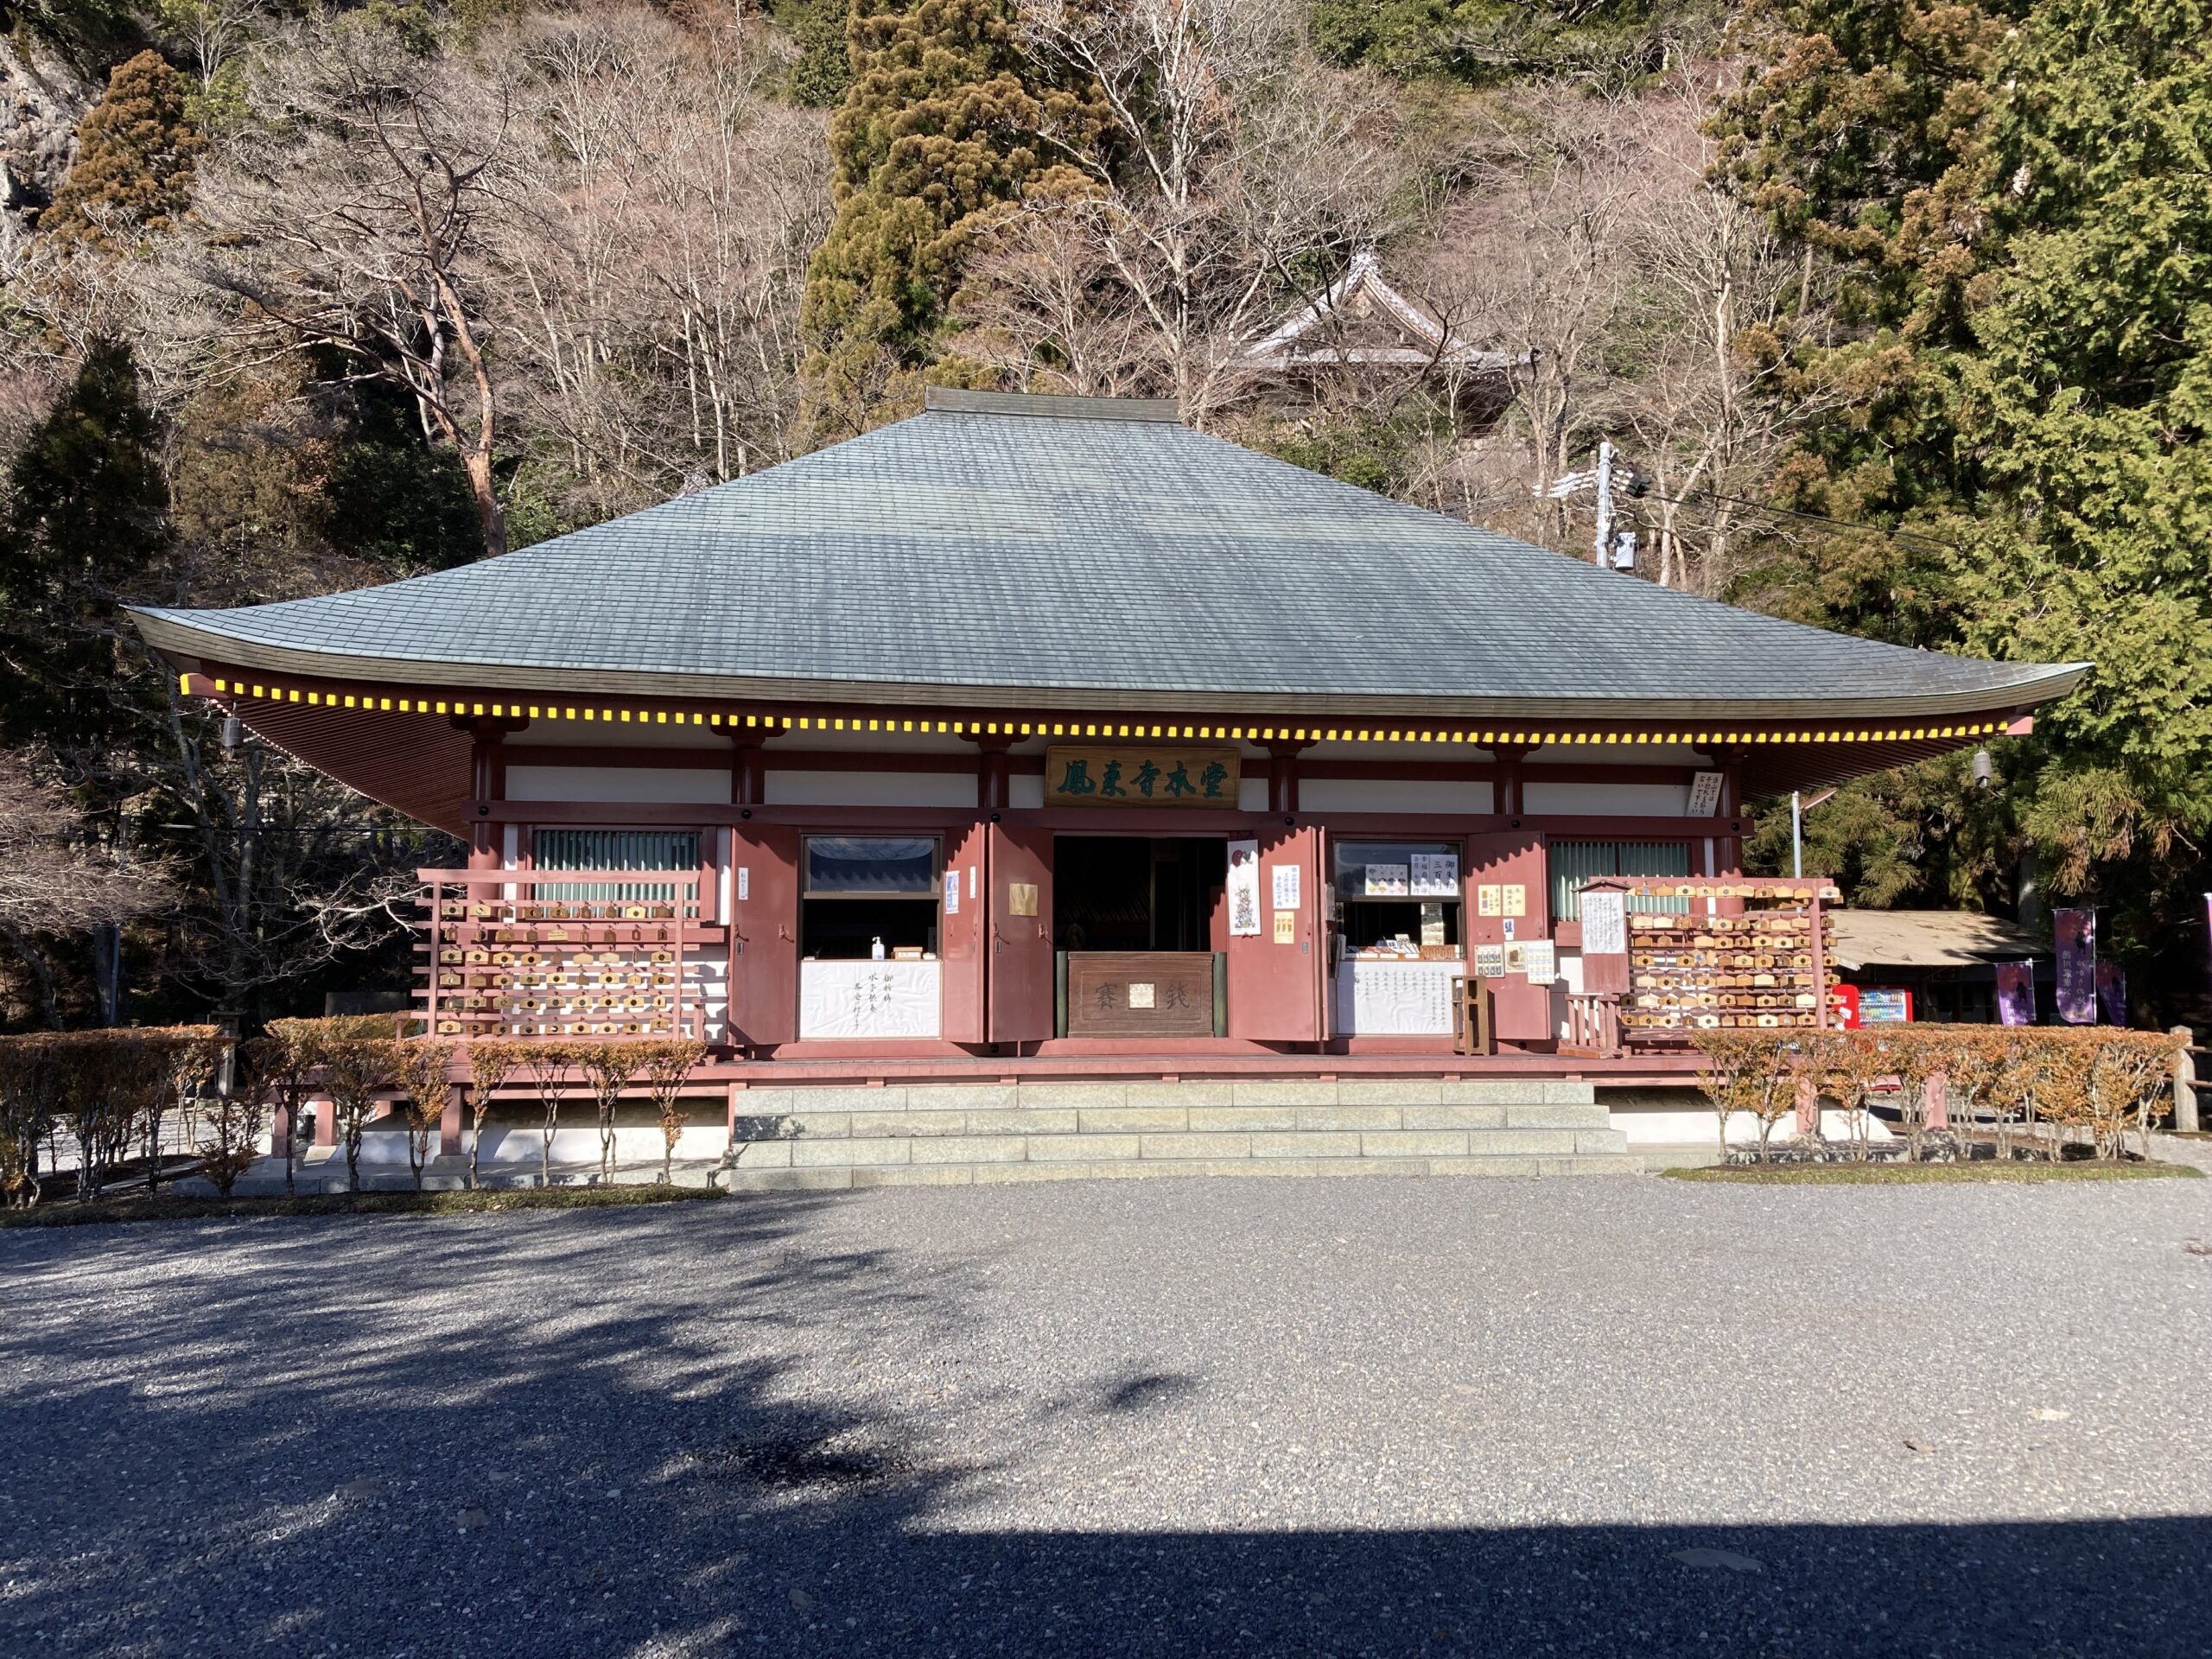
{"x":813,"y":1139}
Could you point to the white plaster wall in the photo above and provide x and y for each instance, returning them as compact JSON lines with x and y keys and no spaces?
{"x":1393,"y":795}
{"x":868,"y":789}
{"x":1659,"y":1125}
{"x":1252,"y":794}
{"x":636,"y":784}
{"x":512,"y":1147}
{"x":1026,"y":788}
{"x":1604,"y":800}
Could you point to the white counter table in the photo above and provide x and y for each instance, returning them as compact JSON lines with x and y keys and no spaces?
{"x":845,"y":1000}
{"x":1379,"y":996}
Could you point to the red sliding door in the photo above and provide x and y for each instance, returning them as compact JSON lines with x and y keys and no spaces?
{"x":764,"y":936}
{"x":962,"y":936}
{"x":1274,"y":975}
{"x":1019,"y":978}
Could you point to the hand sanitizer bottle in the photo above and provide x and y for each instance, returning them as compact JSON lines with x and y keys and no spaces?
{"x":875,"y":949}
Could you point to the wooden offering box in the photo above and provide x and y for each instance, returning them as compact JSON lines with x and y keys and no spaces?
{"x":1139,"y":994}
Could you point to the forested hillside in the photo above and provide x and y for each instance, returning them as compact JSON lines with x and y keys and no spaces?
{"x":1898,"y":313}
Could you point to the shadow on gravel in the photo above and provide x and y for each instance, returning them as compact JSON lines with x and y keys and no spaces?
{"x":433,"y":1452}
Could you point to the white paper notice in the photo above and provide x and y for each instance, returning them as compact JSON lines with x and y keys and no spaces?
{"x":1385,"y":881}
{"x":1605,"y":924}
{"x":1285,"y":885}
{"x":1543,"y":960}
{"x":1436,"y":875}
{"x":952,"y":893}
{"x":1389,"y":998}
{"x":1244,"y":888}
{"x":744,"y":882}
{"x":868,"y":998}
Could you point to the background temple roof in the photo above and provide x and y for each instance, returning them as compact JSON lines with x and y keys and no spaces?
{"x":1044,"y":553}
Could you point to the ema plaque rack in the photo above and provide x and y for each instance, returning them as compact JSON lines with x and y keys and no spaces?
{"x":1730,"y":953}
{"x":505,"y":957}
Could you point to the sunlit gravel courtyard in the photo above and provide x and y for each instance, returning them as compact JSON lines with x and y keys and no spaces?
{"x":1378,"y":1416}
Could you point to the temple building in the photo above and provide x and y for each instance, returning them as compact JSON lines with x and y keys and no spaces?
{"x":1043,"y":743}
{"x":1363,"y":328}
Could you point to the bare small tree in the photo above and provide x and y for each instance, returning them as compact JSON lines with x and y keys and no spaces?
{"x":608,"y":1068}
{"x":492,"y":1061}
{"x":282,"y":1063}
{"x":422,"y":1068}
{"x":546,"y":1062}
{"x":667,"y":1064}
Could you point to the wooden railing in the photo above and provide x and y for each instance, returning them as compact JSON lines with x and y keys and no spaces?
{"x":1593,"y":1026}
{"x":515,"y":953}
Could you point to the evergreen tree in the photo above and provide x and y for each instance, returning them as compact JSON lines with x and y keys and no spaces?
{"x":135,"y":149}
{"x":937,"y":127}
{"x":824,"y":71}
{"x":86,"y":527}
{"x":2020,"y":196}
{"x":2086,"y":394}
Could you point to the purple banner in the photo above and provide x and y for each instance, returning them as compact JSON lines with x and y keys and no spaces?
{"x":2112,"y":992}
{"x":2016,"y":993}
{"x":2078,"y":966}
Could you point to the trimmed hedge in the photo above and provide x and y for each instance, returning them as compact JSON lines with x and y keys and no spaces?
{"x":2052,"y":1084}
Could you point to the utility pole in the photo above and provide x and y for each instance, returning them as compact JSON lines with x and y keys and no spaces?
{"x":1603,"y":555}
{"x":1798,"y":807}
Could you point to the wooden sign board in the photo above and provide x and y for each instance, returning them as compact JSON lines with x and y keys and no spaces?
{"x":1140,"y":993}
{"x":1134,"y":773}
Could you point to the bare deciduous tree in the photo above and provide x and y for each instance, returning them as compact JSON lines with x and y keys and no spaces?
{"x":52,"y":881}
{"x":655,"y":212}
{"x":1719,"y":306}
{"x":348,"y":218}
{"x":1235,"y":171}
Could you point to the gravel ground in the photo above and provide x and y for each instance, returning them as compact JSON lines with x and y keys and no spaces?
{"x":1596,"y":1416}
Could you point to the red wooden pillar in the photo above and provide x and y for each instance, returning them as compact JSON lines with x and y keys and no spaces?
{"x":487,"y":781}
{"x":747,"y":770}
{"x":992,"y":787}
{"x":1508,"y":801}
{"x":963,"y":933}
{"x":449,"y":1123}
{"x":1282,"y":774}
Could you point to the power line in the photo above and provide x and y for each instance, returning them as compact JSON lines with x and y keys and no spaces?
{"x":1574,"y":483}
{"x":1909,"y":537}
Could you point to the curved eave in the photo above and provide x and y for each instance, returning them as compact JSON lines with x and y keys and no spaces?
{"x":189,"y":647}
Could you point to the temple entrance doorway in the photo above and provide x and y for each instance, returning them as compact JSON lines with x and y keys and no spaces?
{"x":1133,"y":920}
